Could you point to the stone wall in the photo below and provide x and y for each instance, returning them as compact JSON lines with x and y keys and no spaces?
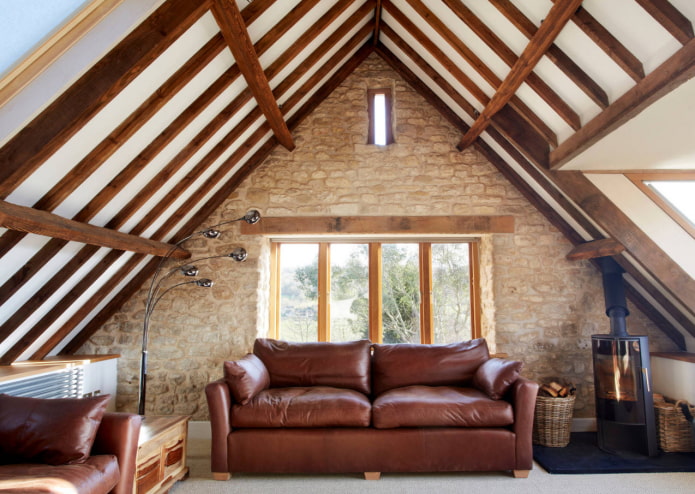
{"x":537,"y":306}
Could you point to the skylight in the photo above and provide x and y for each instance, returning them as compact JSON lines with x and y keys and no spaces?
{"x":680,"y":194}
{"x":25,"y":24}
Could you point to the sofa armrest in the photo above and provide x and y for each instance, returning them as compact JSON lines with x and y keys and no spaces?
{"x":219,"y":405}
{"x":523,"y":399}
{"x":118,"y":435}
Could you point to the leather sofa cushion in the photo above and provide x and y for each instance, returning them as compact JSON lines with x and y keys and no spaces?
{"x":398,"y":365}
{"x":99,"y":474}
{"x":439,"y":406}
{"x":246,"y":377}
{"x":496,"y":376}
{"x":339,"y":365}
{"x":52,"y":431}
{"x":315,"y":406}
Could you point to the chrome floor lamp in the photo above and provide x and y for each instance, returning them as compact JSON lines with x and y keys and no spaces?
{"x":187,"y":269}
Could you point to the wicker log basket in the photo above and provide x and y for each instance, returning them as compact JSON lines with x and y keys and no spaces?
{"x":675,"y":432}
{"x":553,"y":418}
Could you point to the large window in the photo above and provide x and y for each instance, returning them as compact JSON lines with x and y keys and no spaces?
{"x":390,"y":292}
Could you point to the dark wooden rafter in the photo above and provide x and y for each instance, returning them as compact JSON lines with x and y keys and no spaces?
{"x":513,"y":127}
{"x":590,"y":87}
{"x":25,"y":152}
{"x":234,"y":31}
{"x":377,"y":22}
{"x":105,"y":149}
{"x":30,"y":220}
{"x":213,"y":203}
{"x":540,"y":203}
{"x":558,"y":16}
{"x":678,"y":25}
{"x":465,"y":52}
{"x":218,"y":175}
{"x":55,"y":245}
{"x":509,"y":57}
{"x":49,"y":250}
{"x":608,"y":43}
{"x":676,"y":70}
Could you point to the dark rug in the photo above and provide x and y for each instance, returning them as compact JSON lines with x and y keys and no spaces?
{"x":582,"y":455}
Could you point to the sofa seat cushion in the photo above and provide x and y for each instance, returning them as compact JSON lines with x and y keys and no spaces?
{"x":439,"y":406}
{"x":313,"y":406}
{"x":98,"y":474}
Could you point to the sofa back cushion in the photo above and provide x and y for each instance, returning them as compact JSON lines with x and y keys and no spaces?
{"x":340,"y":365}
{"x":403,"y":364}
{"x":246,"y":378}
{"x":53,"y":431}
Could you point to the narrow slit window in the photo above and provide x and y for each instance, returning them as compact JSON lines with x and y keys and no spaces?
{"x":380,"y":132}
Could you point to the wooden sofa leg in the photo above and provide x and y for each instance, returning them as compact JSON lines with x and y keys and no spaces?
{"x":221,"y":475}
{"x":372,"y":475}
{"x":521,"y":474}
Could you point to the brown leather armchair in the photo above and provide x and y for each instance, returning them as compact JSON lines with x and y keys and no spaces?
{"x":110,"y":466}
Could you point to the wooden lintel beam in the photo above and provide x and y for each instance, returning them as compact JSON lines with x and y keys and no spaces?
{"x":369,"y":225}
{"x":595,"y":248}
{"x":679,"y":68}
{"x":233,"y":29}
{"x":554,"y":22}
{"x":29,"y":220}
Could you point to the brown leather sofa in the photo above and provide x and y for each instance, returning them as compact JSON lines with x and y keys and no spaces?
{"x":51,"y":446}
{"x":371,"y":408}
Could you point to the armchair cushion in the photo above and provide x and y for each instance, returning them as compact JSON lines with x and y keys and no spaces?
{"x":246,"y":378}
{"x":52,"y":431}
{"x":496,"y":375}
{"x":398,"y":365}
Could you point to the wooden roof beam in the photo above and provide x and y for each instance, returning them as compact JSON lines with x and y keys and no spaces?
{"x":377,"y":22}
{"x":608,"y":43}
{"x":25,"y":152}
{"x":467,"y":54}
{"x":554,"y":53}
{"x":670,"y":18}
{"x":534,"y":81}
{"x":555,"y":21}
{"x":679,"y":68}
{"x":24,"y":219}
{"x":237,"y":37}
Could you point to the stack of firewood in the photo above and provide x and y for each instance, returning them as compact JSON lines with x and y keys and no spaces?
{"x":556,"y":390}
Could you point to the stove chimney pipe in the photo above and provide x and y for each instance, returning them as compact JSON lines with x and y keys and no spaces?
{"x":614,"y":295}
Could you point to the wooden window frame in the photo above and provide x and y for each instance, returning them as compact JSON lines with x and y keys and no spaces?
{"x":639,"y":180}
{"x":375,"y":288}
{"x":371,"y":93}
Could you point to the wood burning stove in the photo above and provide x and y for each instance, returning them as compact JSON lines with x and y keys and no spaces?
{"x":624,"y":402}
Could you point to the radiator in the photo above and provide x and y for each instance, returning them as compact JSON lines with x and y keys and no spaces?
{"x":64,"y":383}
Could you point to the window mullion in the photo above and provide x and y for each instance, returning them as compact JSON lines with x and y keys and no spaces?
{"x":324,"y":309}
{"x":274,"y":302}
{"x":426,"y":312}
{"x":376,"y":328}
{"x":474,"y":288}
